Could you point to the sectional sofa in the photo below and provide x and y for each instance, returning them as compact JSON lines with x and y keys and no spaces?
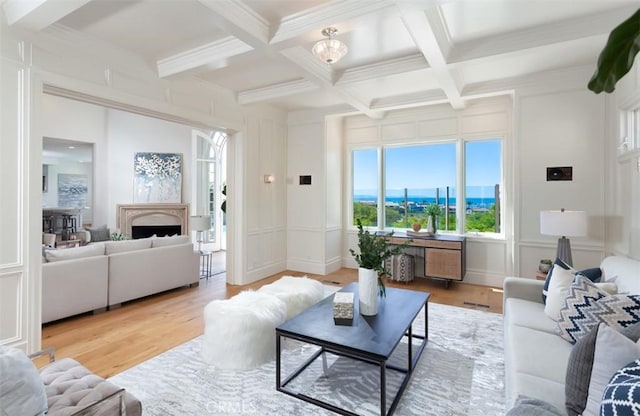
{"x":104,"y":274}
{"x":536,"y":356}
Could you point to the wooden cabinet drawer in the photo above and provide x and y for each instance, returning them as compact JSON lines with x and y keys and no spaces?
{"x":443,"y":263}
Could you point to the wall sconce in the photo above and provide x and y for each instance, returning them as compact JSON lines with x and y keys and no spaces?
{"x":269,"y":178}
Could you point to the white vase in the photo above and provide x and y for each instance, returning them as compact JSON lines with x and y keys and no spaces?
{"x":431,"y":228}
{"x":368,"y":291}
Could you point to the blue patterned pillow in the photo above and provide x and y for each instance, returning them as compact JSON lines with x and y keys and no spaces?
{"x":578,"y":315}
{"x":622,"y":394}
{"x":619,"y":311}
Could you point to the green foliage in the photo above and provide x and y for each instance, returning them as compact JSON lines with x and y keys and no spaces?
{"x":433,"y":210}
{"x":367,"y":214}
{"x":374,"y":250}
{"x":479,"y":221}
{"x":617,"y":57}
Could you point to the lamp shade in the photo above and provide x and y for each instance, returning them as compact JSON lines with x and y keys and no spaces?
{"x":200,"y":222}
{"x":564,"y":223}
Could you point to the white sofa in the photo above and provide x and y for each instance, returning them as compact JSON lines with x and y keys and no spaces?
{"x":535,"y":355}
{"x":105,"y":274}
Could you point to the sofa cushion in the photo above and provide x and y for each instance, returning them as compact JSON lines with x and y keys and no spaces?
{"x":75,"y":252}
{"x":170,"y":241}
{"x":579,"y":368}
{"x":613,"y":351}
{"x":578,"y":315}
{"x":622,"y":395}
{"x":21,"y":389}
{"x":112,"y":247}
{"x":528,"y":314}
{"x":594,"y":274}
{"x":99,"y":234}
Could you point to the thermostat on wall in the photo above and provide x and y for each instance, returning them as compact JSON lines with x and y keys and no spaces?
{"x":562,"y":173}
{"x":305,"y":179}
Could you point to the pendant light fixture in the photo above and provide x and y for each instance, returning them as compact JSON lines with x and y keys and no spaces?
{"x":329,"y":50}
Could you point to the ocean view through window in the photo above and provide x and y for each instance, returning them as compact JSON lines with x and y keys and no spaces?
{"x":462,"y":177}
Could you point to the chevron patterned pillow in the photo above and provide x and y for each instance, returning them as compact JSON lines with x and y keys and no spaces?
{"x":578,"y":314}
{"x":619,"y":311}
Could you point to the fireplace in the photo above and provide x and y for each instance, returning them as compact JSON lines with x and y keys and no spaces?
{"x":144,"y":220}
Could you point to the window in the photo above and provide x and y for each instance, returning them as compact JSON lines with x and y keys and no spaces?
{"x":416,"y":176}
{"x":483,"y":170}
{"x":365,"y":186}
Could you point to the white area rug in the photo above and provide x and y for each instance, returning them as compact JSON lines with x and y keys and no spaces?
{"x":461,"y":372}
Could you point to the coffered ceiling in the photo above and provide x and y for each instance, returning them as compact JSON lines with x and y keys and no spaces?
{"x":401,"y":52}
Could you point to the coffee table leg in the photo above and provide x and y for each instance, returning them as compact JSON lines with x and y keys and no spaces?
{"x":278,"y":362}
{"x":383,"y":388}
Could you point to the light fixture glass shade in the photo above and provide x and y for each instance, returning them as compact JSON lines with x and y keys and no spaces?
{"x":330,"y":51}
{"x":200,"y":222}
{"x":564,"y":223}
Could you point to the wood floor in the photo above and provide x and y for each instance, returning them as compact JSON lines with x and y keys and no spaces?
{"x":110,"y":342}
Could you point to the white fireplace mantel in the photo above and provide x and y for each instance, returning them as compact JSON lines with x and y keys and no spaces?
{"x":128,"y":215}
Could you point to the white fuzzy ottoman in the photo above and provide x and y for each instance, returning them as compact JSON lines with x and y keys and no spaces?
{"x":240,"y":332}
{"x":298,"y":293}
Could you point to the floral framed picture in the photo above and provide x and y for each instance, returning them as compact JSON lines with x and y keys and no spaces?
{"x":157,"y":177}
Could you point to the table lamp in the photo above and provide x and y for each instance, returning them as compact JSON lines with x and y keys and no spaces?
{"x":565,"y":224}
{"x":200,"y":223}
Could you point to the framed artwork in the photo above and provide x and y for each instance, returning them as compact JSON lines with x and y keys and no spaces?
{"x":157,"y":177}
{"x":72,"y":190}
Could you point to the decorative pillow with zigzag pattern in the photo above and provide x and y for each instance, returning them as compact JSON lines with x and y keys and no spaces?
{"x":586,"y":306}
{"x":577,"y":317}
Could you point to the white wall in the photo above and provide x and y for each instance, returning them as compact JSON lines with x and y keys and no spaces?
{"x":559,"y":128}
{"x":128,"y":134}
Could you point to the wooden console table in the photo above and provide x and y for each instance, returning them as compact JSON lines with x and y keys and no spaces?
{"x":444,"y":255}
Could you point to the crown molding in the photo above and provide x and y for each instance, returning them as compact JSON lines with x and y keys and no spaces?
{"x":326,"y":14}
{"x":383,"y":69}
{"x":550,"y":33}
{"x":202,"y":55}
{"x":276,"y":91}
{"x":240,"y":21}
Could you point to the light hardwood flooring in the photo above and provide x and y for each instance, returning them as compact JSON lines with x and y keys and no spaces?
{"x":110,"y":342}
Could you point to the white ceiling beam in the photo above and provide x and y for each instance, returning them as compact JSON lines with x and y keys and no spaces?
{"x":213,"y":52}
{"x":410,"y":100}
{"x":543,"y":35}
{"x":428,"y":30}
{"x":322,"y":75}
{"x":37,"y":14}
{"x":326,"y":14}
{"x":383,"y":69}
{"x":240,"y":21}
{"x":276,"y":91}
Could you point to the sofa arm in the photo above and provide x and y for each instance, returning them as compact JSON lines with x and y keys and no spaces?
{"x":521,"y":288}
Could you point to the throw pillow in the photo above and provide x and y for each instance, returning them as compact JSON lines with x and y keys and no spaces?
{"x":170,"y":241}
{"x":594,"y":274}
{"x":613,"y":350}
{"x":619,"y":311}
{"x":528,"y":406}
{"x":622,"y":394}
{"x":113,"y":247}
{"x":561,"y":280}
{"x":576,"y":318}
{"x":579,"y":368}
{"x":21,"y":388}
{"x":609,"y":287}
{"x":99,"y":234}
{"x":75,"y":252}
{"x":547,"y":281}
